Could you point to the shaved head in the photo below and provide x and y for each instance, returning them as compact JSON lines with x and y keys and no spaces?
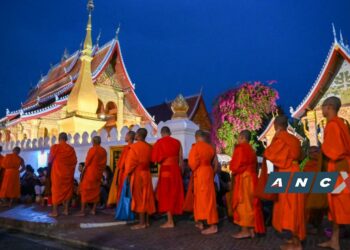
{"x":207,"y":136}
{"x":314,"y":149}
{"x":281,"y":122}
{"x":200,"y":136}
{"x":16,"y":150}
{"x":63,"y":136}
{"x":141,"y":134}
{"x":314,"y":152}
{"x":96,"y":140}
{"x":245,"y":135}
{"x":130,"y":136}
{"x":165,"y":131}
{"x":333,"y":102}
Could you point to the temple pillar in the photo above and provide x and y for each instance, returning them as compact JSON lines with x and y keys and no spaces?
{"x":120,"y":114}
{"x":34,"y":129}
{"x":311,"y":130}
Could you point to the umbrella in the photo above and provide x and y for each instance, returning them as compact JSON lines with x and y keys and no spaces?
{"x":222,"y":158}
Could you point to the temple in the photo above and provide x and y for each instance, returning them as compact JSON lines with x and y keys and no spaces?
{"x":197,"y":111}
{"x":333,"y":80}
{"x":86,"y":91}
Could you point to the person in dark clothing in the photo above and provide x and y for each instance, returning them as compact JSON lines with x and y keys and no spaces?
{"x":28,"y":182}
{"x":107,"y":178}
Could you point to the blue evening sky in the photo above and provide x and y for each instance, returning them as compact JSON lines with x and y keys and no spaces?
{"x":172,"y":47}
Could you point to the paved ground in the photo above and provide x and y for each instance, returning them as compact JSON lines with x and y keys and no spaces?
{"x":10,"y":239}
{"x":102,"y":232}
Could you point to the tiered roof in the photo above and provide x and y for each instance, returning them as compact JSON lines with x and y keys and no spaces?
{"x":338,"y":52}
{"x":52,"y":91}
{"x":162,"y":112}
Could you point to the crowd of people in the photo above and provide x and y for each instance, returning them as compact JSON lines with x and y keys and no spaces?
{"x":197,"y":184}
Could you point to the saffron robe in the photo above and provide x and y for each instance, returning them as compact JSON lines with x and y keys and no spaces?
{"x":95,"y":163}
{"x":2,"y":170}
{"x":137,"y":165}
{"x":289,"y":209}
{"x":314,"y":200}
{"x":200,"y":160}
{"x":11,"y":186}
{"x":118,"y":178}
{"x":63,"y":161}
{"x":170,"y":194}
{"x":247,"y":209}
{"x":336,"y":147}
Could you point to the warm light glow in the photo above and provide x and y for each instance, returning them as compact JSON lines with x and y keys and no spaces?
{"x":42,"y":158}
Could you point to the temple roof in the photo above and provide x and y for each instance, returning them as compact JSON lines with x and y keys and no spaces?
{"x":163,"y":112}
{"x":52,"y":91}
{"x":335,"y":58}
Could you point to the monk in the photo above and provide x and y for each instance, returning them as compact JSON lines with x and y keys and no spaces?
{"x":200,"y":160}
{"x":247,"y":210}
{"x":13,"y":165}
{"x":289,"y":210}
{"x":336,"y":148}
{"x":137,"y":167}
{"x":119,"y":176}
{"x":62,"y":160}
{"x":167,"y":152}
{"x":316,"y":204}
{"x":90,"y":186}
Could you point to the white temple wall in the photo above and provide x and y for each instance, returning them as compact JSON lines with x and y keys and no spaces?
{"x":35,"y":152}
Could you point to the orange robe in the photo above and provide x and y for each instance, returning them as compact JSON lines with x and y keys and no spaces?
{"x":336,"y":147}
{"x":63,"y":161}
{"x":247,"y":209}
{"x":118,"y":178}
{"x":170,"y":192}
{"x":200,"y":159}
{"x":289,"y":210}
{"x":11,"y":186}
{"x":95,"y":163}
{"x":314,"y":200}
{"x":138,"y":166}
{"x":2,"y":170}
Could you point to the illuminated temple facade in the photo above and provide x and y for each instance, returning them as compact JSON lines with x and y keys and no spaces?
{"x":333,"y":80}
{"x":87,"y":91}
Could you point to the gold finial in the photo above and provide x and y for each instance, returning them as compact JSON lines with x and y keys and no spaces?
{"x":83,"y":97}
{"x":88,"y":41}
{"x":90,"y":6}
{"x":179,"y":107}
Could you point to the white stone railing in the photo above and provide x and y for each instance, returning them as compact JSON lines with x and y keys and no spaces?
{"x":77,"y":139}
{"x":35,"y":152}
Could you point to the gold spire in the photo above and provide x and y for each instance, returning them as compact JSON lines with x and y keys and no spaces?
{"x":88,"y":41}
{"x":83,"y":98}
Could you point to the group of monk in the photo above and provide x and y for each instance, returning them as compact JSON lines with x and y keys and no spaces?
{"x":284,"y":154}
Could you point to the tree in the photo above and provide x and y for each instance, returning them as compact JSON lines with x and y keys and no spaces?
{"x":239,"y":109}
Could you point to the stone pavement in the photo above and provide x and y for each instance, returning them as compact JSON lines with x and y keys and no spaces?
{"x":102,"y":232}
